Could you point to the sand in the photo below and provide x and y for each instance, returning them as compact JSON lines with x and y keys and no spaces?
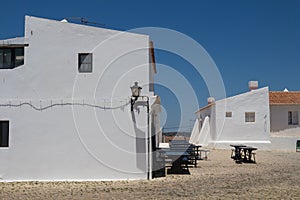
{"x":275,"y":176}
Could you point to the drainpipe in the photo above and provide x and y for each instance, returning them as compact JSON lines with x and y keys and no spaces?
{"x":148,"y":140}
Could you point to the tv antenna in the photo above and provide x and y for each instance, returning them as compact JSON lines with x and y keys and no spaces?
{"x":84,"y":21}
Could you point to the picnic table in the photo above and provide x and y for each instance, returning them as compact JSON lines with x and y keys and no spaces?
{"x":179,"y":160}
{"x":205,"y":152}
{"x":248,"y":154}
{"x":180,"y":154}
{"x":194,"y":151}
{"x":242,"y":153}
{"x":236,"y":153}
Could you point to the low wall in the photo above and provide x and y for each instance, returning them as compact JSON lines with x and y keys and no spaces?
{"x":284,"y":143}
{"x":226,"y":145}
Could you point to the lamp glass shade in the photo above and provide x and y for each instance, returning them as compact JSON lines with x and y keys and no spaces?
{"x":136,"y":90}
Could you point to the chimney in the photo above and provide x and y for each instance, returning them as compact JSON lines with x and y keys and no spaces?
{"x":210,"y":100}
{"x":253,"y":85}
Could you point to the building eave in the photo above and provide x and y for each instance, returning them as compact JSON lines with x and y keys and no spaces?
{"x":13,"y":45}
{"x":14,"y":42}
{"x":205,"y":107}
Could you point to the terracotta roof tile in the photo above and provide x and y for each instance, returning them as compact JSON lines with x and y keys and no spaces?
{"x":280,"y":98}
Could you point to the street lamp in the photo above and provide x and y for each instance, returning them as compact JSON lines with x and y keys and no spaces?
{"x":136,"y":91}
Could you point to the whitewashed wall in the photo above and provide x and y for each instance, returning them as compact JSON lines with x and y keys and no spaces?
{"x":279,"y":116}
{"x":210,"y":112}
{"x":285,"y":140}
{"x":235,"y":129}
{"x":283,"y":135}
{"x":79,"y":142}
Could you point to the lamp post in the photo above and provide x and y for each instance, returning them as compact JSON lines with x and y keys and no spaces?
{"x":136,"y":92}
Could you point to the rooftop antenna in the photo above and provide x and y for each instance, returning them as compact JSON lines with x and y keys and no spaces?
{"x":84,"y":21}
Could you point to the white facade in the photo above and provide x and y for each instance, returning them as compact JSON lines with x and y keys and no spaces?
{"x":279,"y":117}
{"x":285,"y":140}
{"x":66,"y":125}
{"x":228,"y":120}
{"x":284,"y":135}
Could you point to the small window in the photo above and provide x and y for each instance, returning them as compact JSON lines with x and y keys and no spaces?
{"x":4,"y":133}
{"x":85,"y":62}
{"x":19,"y":57}
{"x":11,"y":57}
{"x":249,"y":116}
{"x":228,"y":114}
{"x":293,"y":118}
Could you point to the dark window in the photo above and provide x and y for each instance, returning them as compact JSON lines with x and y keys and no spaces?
{"x":249,"y":116}
{"x":228,"y":114}
{"x":19,"y":57}
{"x":85,"y":62}
{"x":4,"y":133}
{"x":293,"y":118}
{"x":11,"y":57}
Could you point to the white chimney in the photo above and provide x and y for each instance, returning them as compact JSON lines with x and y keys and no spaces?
{"x":253,"y":85}
{"x":210,"y":100}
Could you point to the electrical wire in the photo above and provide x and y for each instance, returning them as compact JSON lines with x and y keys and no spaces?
{"x":64,"y":104}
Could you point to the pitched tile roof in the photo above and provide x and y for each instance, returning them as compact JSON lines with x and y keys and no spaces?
{"x":284,"y":98}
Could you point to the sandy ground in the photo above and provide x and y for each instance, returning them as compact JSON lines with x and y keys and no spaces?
{"x":275,"y":176}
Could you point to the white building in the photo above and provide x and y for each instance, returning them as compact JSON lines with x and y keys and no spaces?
{"x":284,"y":119}
{"x":65,"y":110}
{"x":284,"y":109}
{"x":243,"y":118}
{"x":268,"y":120}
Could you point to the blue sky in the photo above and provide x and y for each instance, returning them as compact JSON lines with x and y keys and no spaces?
{"x":248,"y":40}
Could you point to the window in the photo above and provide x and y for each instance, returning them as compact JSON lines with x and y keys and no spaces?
{"x":228,"y":114}
{"x":11,"y":57}
{"x":293,"y":118}
{"x":85,"y":62}
{"x":19,"y":57}
{"x":249,"y":116}
{"x":4,"y":133}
